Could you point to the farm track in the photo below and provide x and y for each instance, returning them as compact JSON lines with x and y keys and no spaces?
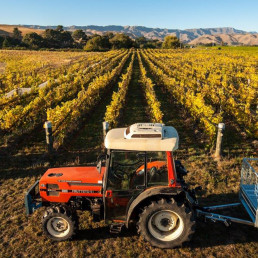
{"x":135,"y":108}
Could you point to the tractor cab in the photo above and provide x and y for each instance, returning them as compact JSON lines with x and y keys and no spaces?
{"x":139,"y":158}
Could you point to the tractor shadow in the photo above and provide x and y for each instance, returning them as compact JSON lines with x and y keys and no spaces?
{"x":102,"y":233}
{"x":207,"y":234}
{"x":211,"y":234}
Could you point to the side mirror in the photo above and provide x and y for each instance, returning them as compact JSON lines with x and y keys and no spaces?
{"x":100,"y":160}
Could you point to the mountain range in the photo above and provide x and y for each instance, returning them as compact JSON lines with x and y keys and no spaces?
{"x":228,"y":35}
{"x":229,"y":39}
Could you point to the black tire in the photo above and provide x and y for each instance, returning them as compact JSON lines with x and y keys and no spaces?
{"x":166,"y":223}
{"x":59,"y":223}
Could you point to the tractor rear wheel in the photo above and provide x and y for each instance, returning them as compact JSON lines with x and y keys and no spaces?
{"x":59,"y":224}
{"x":166,"y":223}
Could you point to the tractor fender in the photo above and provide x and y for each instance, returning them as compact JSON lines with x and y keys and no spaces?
{"x":150,"y":193}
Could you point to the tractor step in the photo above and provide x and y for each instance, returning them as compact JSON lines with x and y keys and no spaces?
{"x":116,"y":228}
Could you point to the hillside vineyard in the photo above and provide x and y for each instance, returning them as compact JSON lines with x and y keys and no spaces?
{"x":212,"y":86}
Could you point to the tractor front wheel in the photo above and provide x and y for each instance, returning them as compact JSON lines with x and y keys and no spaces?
{"x":59,"y":224}
{"x":166,"y":223}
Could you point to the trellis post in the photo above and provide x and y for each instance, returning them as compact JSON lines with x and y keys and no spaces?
{"x":218,"y":152}
{"x":49,"y":136}
{"x":105,"y":128}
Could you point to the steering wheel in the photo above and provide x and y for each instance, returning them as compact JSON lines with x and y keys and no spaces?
{"x":118,"y":173}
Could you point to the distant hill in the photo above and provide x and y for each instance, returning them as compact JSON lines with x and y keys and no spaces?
{"x":228,"y":39}
{"x":186,"y":36}
{"x":6,"y":30}
{"x":150,"y":33}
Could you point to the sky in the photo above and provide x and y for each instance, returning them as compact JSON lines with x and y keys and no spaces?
{"x":171,"y":14}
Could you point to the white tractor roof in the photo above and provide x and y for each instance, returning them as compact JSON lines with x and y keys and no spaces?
{"x":144,"y":130}
{"x":143,"y":137}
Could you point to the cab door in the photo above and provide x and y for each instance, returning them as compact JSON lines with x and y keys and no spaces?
{"x":125,"y":180}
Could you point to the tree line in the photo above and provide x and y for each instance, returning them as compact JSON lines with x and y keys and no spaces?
{"x":60,"y":39}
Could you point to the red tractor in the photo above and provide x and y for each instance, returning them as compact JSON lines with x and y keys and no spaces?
{"x":137,"y":182}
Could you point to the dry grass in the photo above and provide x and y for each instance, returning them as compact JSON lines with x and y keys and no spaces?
{"x":2,"y":67}
{"x":9,"y":29}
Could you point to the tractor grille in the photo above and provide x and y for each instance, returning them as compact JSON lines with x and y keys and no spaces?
{"x":53,"y":193}
{"x":52,"y":186}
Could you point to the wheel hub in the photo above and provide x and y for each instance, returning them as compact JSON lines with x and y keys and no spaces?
{"x":165,"y":225}
{"x":166,"y":222}
{"x":58,"y":227}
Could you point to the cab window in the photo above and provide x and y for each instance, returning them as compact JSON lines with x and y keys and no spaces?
{"x":157,"y":171}
{"x":126,"y":170}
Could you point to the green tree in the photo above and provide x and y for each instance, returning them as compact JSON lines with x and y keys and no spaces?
{"x":105,"y":42}
{"x":33,"y":40}
{"x":121,"y":41}
{"x":141,"y":42}
{"x":1,"y":41}
{"x":97,"y":43}
{"x":60,"y":28}
{"x":52,"y":38}
{"x":66,"y":39}
{"x":7,"y":42}
{"x":109,"y":34}
{"x":79,"y":35}
{"x":171,"y":42}
{"x":17,"y":34}
{"x":58,"y":38}
{"x":154,"y":43}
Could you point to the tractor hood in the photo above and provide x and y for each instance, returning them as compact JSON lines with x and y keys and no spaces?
{"x":73,"y":175}
{"x":62,"y":184}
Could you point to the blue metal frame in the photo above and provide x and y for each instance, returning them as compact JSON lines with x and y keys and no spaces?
{"x":218,"y":217}
{"x":249,"y":177}
{"x":30,"y":204}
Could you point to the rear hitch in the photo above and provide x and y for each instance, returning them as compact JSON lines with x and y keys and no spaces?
{"x":207,"y":213}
